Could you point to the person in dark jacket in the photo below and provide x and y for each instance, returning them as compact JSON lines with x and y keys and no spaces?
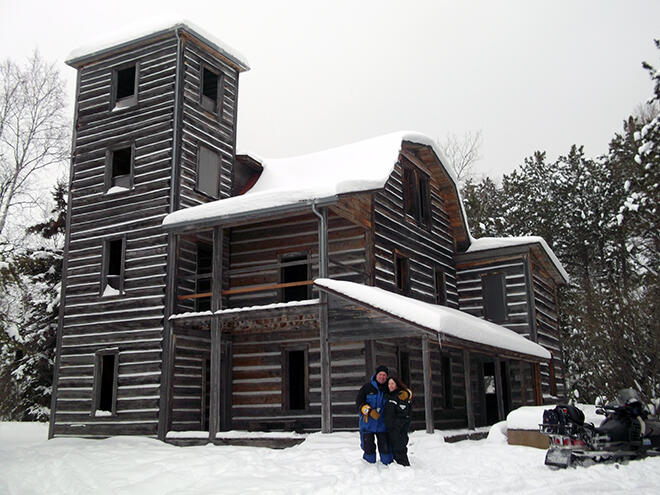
{"x":370,"y":402}
{"x":397,"y":419}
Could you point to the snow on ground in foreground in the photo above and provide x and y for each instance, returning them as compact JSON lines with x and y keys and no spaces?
{"x":323,"y":464}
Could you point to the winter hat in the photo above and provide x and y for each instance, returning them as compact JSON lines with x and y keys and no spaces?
{"x":382,"y":368}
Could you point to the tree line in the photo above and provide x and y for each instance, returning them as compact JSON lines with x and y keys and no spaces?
{"x":599,"y":215}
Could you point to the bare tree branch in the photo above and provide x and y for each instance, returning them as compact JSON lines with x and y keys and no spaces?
{"x":33,"y":129}
{"x":462,"y":153}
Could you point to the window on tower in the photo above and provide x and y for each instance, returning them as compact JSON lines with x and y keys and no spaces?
{"x":211,"y":90}
{"x":119,"y":169}
{"x":124,"y":84}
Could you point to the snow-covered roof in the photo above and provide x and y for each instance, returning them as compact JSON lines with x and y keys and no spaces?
{"x":133,"y":34}
{"x":358,"y":167}
{"x":486,"y":243}
{"x":441,"y":319}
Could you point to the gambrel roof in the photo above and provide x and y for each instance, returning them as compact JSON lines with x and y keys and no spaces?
{"x":319,"y":177}
{"x":291,"y":184}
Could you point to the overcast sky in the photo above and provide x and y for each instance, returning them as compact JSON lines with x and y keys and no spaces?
{"x":529,"y":75}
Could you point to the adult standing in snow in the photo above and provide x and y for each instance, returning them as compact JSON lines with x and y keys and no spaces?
{"x":397,"y":419}
{"x":370,"y":402}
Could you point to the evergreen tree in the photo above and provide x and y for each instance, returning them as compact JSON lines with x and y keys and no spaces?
{"x":30,"y":280}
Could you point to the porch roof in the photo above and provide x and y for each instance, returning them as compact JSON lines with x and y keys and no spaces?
{"x":434,"y":318}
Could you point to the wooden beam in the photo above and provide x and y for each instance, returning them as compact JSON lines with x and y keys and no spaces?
{"x":216,"y":278}
{"x":243,"y":290}
{"x":498,"y":389}
{"x":167,"y":378}
{"x":428,"y":389}
{"x":538,"y":395}
{"x":216,"y":353}
{"x":469,"y":410}
{"x":523,"y":383}
{"x":326,"y":384}
{"x":369,"y":357}
{"x":216,"y":336}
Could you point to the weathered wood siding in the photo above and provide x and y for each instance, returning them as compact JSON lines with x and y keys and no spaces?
{"x":200,"y":127}
{"x":547,"y":329}
{"x":132,"y":322}
{"x":426,"y":248}
{"x":257,"y":356}
{"x":254,"y":252}
{"x":192,"y":354}
{"x":470,"y":291}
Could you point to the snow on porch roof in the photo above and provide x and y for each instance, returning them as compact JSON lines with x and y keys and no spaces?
{"x":441,"y":319}
{"x":358,"y":167}
{"x":486,"y":243}
{"x":137,"y":32}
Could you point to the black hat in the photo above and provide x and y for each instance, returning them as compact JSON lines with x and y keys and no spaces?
{"x":382,"y":368}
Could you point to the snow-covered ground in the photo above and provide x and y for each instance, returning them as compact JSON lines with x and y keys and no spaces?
{"x":323,"y":464}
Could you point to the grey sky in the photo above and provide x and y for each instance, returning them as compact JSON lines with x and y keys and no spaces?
{"x":530,"y":75}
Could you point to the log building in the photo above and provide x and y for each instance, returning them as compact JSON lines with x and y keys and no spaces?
{"x":206,"y":291}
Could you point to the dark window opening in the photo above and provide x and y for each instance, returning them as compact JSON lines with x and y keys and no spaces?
{"x":490,"y":392}
{"x":404,"y":367}
{"x":424,"y":201}
{"x":494,"y":294}
{"x":107,"y":383}
{"x":448,"y":398}
{"x":296,"y":380}
{"x":208,"y":172}
{"x":416,"y":195}
{"x":204,"y":272}
{"x":121,"y":167}
{"x":113,"y":275}
{"x":440,"y":287}
{"x":409,"y":191}
{"x":125,"y":83}
{"x":295,"y":270}
{"x":114,"y":263}
{"x":211,"y":85}
{"x":402,"y":273}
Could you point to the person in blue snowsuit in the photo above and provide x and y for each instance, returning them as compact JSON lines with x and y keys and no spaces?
{"x":370,"y":402}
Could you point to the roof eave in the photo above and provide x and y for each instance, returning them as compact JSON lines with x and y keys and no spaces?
{"x":242,"y":217}
{"x":78,"y":62}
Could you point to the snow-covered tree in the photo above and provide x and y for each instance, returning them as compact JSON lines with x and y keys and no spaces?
{"x":29,"y":308}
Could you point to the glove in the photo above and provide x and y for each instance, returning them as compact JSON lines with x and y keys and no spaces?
{"x":374,"y":414}
{"x":365,"y":412}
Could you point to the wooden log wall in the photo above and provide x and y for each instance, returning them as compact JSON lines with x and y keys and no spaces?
{"x":257,"y":356}
{"x":131,"y":323}
{"x":192,"y":354}
{"x":426,"y":248}
{"x":521,"y":378}
{"x":254,"y":252}
{"x":454,"y":417}
{"x":547,"y":328}
{"x":215,"y":131}
{"x":471,"y":291}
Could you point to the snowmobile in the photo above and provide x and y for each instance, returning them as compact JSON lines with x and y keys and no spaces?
{"x":627,"y":432}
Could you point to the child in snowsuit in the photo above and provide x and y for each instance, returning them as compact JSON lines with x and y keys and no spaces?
{"x":397,"y":419}
{"x":370,"y":402}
